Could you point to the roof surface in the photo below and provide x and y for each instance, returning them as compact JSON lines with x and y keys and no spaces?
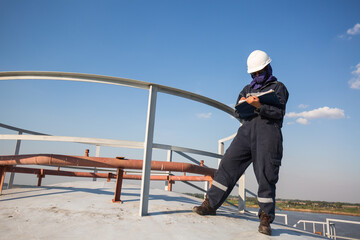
{"x":84,"y":210}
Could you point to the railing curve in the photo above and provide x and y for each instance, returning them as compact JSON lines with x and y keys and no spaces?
{"x":83,"y":77}
{"x":150,"y":122}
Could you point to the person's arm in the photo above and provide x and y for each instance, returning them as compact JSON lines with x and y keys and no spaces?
{"x":275,"y":112}
{"x":241,"y":96}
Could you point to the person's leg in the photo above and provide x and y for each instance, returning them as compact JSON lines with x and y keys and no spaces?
{"x":235,"y":161}
{"x":267,"y":157}
{"x":232,"y":166}
{"x":267,"y":174}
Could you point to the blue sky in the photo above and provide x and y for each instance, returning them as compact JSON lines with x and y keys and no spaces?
{"x":202,"y":47}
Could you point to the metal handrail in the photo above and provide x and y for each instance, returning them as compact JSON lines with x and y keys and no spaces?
{"x":105,"y":142}
{"x":329,"y":224}
{"x":21,"y":130}
{"x":83,"y":77}
{"x":150,"y":122}
{"x":313,"y":225}
{"x":329,"y":229}
{"x":99,"y":142}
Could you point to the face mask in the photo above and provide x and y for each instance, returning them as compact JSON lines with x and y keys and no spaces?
{"x":259,"y":78}
{"x":262,"y":77}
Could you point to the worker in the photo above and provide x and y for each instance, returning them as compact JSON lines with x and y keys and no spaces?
{"x":258,"y":141}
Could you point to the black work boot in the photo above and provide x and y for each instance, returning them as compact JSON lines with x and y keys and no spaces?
{"x":264,"y":226}
{"x":205,"y":208}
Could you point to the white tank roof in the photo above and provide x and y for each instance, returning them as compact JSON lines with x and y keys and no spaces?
{"x":84,"y":210}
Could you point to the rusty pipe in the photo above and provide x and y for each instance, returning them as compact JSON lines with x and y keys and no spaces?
{"x":66,"y":160}
{"x":56,"y":172}
{"x":101,"y":175}
{"x":171,"y":178}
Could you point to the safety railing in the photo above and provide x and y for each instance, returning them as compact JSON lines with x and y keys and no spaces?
{"x":99,"y":143}
{"x":36,"y":136}
{"x":18,"y":143}
{"x":328,"y":227}
{"x":148,"y":145}
{"x":314,"y":224}
{"x":330,"y":222}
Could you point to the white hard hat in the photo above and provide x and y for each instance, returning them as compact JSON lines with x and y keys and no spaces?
{"x":257,"y":60}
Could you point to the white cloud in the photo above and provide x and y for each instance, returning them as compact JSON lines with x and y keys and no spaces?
{"x":357,"y":71}
{"x":204,"y":115}
{"x":351,"y":32}
{"x":355,"y":81}
{"x":324,"y":112}
{"x":302,"y":121}
{"x":303,"y":106}
{"x":355,"y":30}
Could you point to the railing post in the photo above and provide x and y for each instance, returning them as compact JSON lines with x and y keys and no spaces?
{"x":242,"y":194}
{"x":168,"y":159}
{"x":328,"y":228}
{"x":220,"y":151}
{"x":148,"y":145}
{"x":206,"y":183}
{"x":17,"y":150}
{"x":314,"y":228}
{"x":97,"y":154}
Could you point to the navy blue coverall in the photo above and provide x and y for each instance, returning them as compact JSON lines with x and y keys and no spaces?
{"x":258,"y":141}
